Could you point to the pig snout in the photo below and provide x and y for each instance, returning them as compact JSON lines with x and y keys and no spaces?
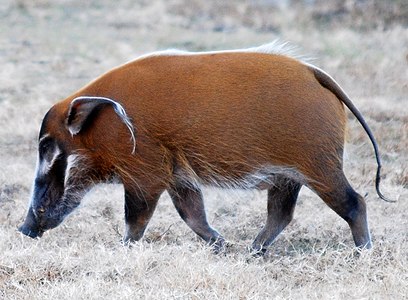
{"x":30,"y":226}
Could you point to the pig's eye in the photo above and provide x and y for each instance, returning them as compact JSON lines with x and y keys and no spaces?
{"x":45,"y":146}
{"x":47,"y":149}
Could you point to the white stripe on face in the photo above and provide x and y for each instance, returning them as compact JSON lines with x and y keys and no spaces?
{"x":71,"y":161}
{"x":45,"y":163}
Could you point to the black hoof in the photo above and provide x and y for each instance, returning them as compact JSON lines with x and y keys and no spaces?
{"x":218,"y":245}
{"x":257,"y":252}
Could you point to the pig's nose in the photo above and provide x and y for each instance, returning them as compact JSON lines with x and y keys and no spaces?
{"x":32,"y":232}
{"x":31,"y":227}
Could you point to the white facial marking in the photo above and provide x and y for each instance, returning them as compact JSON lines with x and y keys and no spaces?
{"x":71,"y":162}
{"x":45,"y":165}
{"x":43,"y":137}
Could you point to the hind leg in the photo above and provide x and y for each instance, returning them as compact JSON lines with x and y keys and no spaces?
{"x":337,"y":193}
{"x":281,"y":205}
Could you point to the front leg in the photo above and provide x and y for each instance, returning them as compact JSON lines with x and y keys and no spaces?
{"x":190,"y":206}
{"x":139,"y":208}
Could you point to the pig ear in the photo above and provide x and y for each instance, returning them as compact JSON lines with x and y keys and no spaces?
{"x":82,"y":107}
{"x":80,"y":110}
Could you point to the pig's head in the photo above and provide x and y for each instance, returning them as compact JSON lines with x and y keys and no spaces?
{"x":69,"y":162}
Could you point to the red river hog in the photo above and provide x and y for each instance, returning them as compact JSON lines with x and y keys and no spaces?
{"x":176,"y":121}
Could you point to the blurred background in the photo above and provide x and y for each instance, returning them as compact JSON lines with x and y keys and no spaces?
{"x":44,"y":41}
{"x":51,"y":48}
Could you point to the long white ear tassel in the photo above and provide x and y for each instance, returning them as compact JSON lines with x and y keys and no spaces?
{"x":124,"y":117}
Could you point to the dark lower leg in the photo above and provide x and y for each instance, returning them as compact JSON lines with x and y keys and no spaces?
{"x":281,"y":204}
{"x":351,"y":207}
{"x":138,"y":212}
{"x":189,"y":204}
{"x":356,"y":217}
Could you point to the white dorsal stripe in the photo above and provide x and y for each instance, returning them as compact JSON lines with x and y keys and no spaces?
{"x":276,"y":47}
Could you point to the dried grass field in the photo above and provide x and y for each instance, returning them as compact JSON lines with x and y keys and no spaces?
{"x":49,"y":49}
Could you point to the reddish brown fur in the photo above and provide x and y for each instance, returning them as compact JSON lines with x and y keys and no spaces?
{"x":200,"y":115}
{"x":218,"y":118}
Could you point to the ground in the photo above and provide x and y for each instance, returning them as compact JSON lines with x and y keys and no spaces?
{"x":49,"y":49}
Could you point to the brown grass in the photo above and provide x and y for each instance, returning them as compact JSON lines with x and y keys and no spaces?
{"x":49,"y":49}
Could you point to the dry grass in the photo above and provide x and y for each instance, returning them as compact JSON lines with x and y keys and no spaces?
{"x":49,"y":49}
